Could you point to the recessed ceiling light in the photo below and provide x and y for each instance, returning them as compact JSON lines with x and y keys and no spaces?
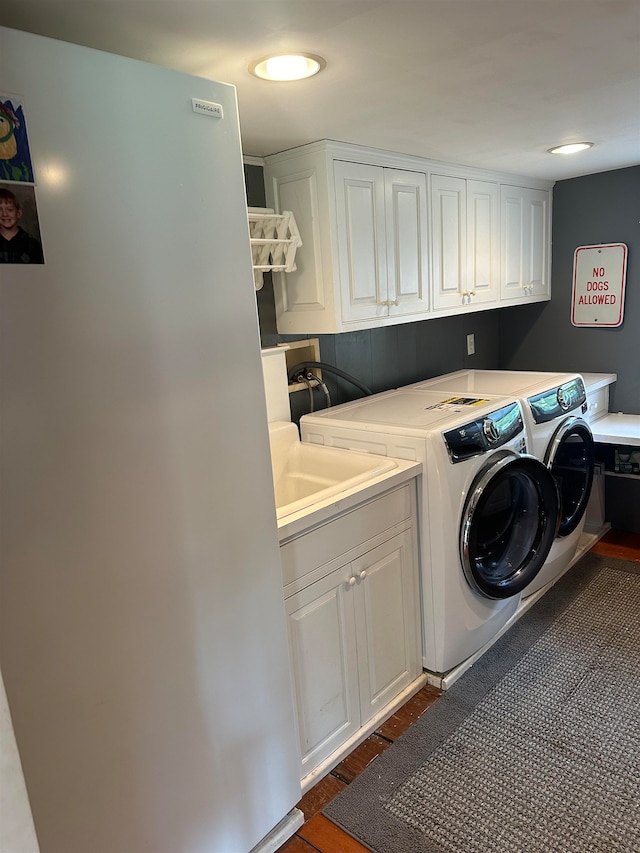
{"x":288,"y":66}
{"x":572,"y":148}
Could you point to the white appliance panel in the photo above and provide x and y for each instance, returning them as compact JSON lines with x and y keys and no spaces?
{"x":522,"y":384}
{"x":504,"y":382}
{"x":139,"y":620}
{"x":413,"y":410}
{"x":457,"y":621}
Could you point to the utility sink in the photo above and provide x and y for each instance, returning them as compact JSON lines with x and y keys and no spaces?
{"x":305,"y":474}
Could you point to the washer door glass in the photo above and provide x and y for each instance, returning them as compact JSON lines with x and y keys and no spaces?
{"x":570,"y":458}
{"x":508,"y":525}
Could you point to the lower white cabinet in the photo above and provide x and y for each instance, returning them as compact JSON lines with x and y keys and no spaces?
{"x":354,"y":631}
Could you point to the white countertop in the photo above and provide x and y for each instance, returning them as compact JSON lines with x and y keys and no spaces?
{"x":617,"y":429}
{"x":595,"y":381}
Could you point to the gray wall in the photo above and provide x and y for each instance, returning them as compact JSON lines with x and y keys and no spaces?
{"x":601,"y":208}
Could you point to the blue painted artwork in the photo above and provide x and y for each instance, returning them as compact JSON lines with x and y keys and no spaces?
{"x":15,"y":157}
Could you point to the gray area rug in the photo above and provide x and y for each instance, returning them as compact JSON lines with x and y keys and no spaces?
{"x":536,"y":749}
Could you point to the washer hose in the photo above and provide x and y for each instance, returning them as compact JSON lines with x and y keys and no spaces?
{"x":322,"y":365}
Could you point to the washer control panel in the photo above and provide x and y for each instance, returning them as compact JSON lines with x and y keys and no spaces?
{"x":485,"y":433}
{"x":558,"y":401}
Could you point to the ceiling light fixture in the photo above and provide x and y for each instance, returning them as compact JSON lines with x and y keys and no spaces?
{"x":572,"y":148}
{"x":288,"y":66}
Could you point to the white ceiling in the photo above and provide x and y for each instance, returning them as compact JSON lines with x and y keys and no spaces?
{"x":488,"y":83}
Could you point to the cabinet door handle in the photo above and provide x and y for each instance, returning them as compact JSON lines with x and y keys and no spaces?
{"x":363,"y":574}
{"x":352,"y":580}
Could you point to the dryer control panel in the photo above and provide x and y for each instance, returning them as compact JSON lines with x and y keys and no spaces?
{"x":557,"y":401}
{"x":484,"y":434}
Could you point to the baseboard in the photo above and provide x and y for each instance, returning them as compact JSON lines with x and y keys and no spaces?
{"x":362,"y":734}
{"x":280,"y":833}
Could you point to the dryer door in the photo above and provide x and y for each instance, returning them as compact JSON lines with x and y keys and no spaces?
{"x":509,"y":523}
{"x":570,"y":458}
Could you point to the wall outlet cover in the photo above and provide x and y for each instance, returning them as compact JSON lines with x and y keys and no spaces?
{"x":471,"y":344}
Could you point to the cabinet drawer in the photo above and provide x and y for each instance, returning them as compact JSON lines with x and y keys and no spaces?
{"x":343,"y":534}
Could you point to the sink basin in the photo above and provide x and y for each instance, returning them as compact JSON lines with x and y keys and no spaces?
{"x":304,"y":474}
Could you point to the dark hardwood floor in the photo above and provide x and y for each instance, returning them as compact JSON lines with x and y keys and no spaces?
{"x":320,"y":835}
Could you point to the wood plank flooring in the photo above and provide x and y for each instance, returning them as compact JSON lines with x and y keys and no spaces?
{"x":617,"y":543}
{"x":320,"y":835}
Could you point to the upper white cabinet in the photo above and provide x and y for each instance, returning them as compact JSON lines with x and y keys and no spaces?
{"x":388,"y":238}
{"x":525,"y":244}
{"x":464,"y":246}
{"x":381,"y":235}
{"x":364,"y":258}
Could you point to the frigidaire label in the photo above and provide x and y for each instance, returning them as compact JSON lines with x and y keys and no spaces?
{"x":207,"y":108}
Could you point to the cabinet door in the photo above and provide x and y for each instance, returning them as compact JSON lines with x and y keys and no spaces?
{"x":537,"y":243}
{"x":525,"y":243}
{"x":324,"y":668}
{"x":406,"y":239}
{"x":512,"y":206}
{"x":362,"y":258}
{"x":483,"y":259}
{"x":449,"y":240}
{"x":306,"y":288}
{"x":387,"y":620}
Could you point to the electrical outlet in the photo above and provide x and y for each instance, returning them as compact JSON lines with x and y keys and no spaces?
{"x":471,"y":344}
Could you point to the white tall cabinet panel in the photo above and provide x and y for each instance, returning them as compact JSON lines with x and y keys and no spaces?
{"x":525,"y":244}
{"x":139,"y":621}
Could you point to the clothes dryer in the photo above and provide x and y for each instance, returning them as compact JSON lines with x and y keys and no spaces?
{"x":487,"y":509}
{"x":553,"y":405}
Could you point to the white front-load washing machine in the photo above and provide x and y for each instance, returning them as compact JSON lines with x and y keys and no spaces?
{"x":487,"y":509}
{"x":557,"y":434}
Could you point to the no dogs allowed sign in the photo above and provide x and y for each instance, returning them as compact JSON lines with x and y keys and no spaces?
{"x":599,"y":274}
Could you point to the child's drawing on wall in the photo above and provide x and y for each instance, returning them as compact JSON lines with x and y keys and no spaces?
{"x":15,"y":157}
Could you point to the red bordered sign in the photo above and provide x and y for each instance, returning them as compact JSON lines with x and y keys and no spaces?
{"x":599,"y":276}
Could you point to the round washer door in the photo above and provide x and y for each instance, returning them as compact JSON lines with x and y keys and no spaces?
{"x":570,"y":458}
{"x":508,"y":525}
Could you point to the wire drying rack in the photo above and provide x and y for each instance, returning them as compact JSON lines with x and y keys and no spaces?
{"x":274,"y":242}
